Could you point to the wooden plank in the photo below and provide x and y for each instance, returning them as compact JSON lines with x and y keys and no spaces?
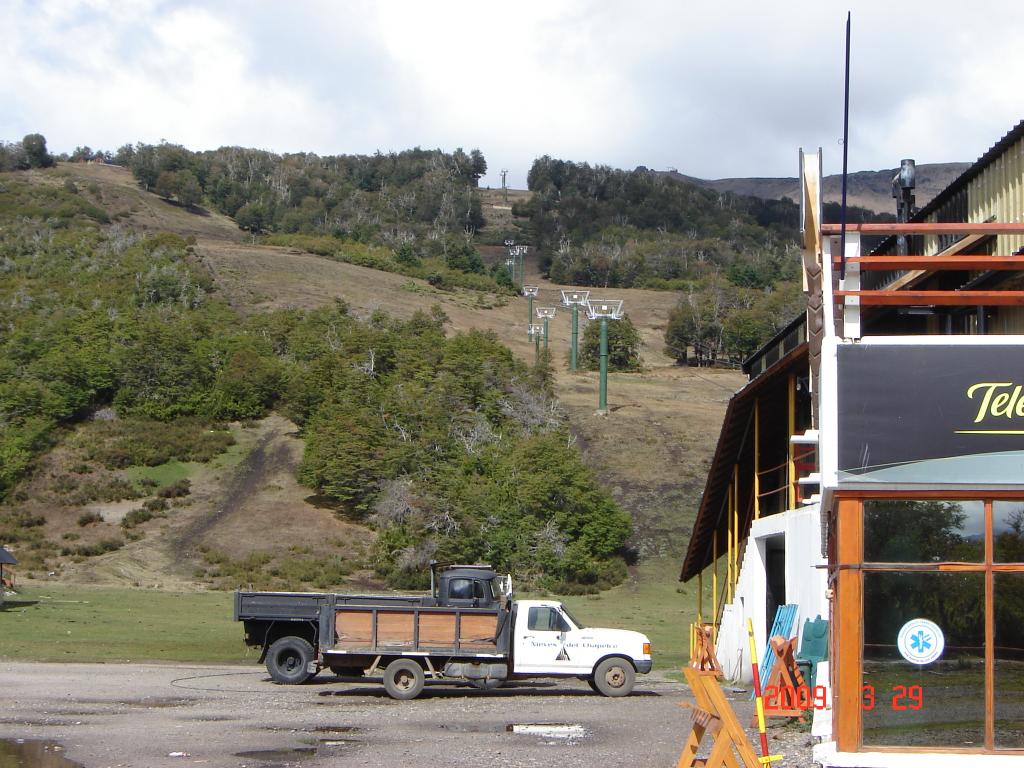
{"x":967,"y":262}
{"x":437,"y":629}
{"x":354,"y":628}
{"x":960,"y":245}
{"x":478,"y":630}
{"x":936,"y":298}
{"x":929,"y":228}
{"x":395,"y":629}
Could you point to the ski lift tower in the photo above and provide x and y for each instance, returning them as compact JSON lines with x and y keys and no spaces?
{"x":604,"y":310}
{"x":575,"y":299}
{"x":536,"y":329}
{"x":545,"y":314}
{"x":530,"y":292}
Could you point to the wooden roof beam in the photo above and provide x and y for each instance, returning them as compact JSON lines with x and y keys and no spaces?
{"x":935,"y":298}
{"x":974,"y":262}
{"x":928,"y":228}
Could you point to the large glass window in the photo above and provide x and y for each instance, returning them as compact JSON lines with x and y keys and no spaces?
{"x":914,"y":531}
{"x":1008,"y":531}
{"x":942,"y":591}
{"x":938,"y":704}
{"x":1008,"y":673}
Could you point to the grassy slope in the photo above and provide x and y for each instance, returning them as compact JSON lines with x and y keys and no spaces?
{"x":78,"y":623}
{"x":652,"y":450}
{"x":112,"y":624}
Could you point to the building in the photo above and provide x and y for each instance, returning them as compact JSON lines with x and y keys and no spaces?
{"x":871,"y":472}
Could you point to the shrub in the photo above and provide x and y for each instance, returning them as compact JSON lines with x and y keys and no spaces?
{"x":176,"y":490}
{"x":89,"y":518}
{"x":145,"y":442}
{"x":139,"y":516}
{"x":93,"y":550}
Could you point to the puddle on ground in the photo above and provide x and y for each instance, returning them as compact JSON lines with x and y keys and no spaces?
{"x":299,"y":753}
{"x":26,"y":753}
{"x":148,"y":702}
{"x":325,"y":729}
{"x":561,"y":732}
{"x":554,"y":732}
{"x":40,"y":722}
{"x":476,"y":727}
{"x":323,"y":748}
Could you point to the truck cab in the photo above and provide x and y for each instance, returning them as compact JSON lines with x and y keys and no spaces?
{"x":549,"y":640}
{"x":468,"y":586}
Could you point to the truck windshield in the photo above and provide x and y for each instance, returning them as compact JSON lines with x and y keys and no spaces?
{"x":579,"y":624}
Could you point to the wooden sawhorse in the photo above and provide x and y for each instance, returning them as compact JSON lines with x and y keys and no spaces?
{"x":713,"y":715}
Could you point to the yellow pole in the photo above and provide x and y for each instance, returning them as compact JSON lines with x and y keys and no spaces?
{"x":728,"y":554}
{"x":700,"y":597}
{"x":791,"y":474}
{"x":714,"y":585}
{"x":766,"y":759}
{"x":757,"y":458}
{"x":736,"y":525}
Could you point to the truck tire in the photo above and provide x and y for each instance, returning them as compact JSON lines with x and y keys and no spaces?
{"x":404,"y":679}
{"x":288,"y":660}
{"x":614,"y":677}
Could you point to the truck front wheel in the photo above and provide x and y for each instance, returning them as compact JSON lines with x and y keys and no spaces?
{"x":288,"y":660}
{"x":404,"y":679}
{"x":614,"y":677}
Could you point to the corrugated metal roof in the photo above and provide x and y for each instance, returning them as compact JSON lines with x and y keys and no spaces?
{"x":710,"y":515}
{"x":6,"y":557}
{"x":959,"y":183}
{"x":965,"y":178}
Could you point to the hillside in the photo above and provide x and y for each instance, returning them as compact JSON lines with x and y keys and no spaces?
{"x":865,"y":189}
{"x":245,"y":514}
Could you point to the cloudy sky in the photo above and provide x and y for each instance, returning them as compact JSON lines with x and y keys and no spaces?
{"x":713,"y":89}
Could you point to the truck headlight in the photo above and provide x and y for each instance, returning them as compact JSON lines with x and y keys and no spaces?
{"x":647,"y":649}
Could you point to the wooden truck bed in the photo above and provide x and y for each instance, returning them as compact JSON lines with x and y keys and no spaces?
{"x":390,"y":629}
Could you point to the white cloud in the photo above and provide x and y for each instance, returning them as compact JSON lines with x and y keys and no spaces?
{"x":714,"y":89}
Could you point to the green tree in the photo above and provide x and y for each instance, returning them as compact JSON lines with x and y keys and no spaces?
{"x":166,"y":184}
{"x":35,"y":150}
{"x":252,"y":217}
{"x":478,"y":165}
{"x":188,"y":191}
{"x":623,"y":346}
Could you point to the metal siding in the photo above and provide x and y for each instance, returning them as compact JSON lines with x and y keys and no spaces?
{"x":997,"y":192}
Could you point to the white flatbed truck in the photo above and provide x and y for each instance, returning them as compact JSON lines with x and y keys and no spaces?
{"x":468,"y":629}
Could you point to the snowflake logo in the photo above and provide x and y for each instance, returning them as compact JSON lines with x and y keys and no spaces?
{"x":920,"y":641}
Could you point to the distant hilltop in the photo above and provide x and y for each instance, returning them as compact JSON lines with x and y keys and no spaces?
{"x":867,"y":189}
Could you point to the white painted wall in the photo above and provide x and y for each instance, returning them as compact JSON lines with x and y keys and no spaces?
{"x":805,"y":586}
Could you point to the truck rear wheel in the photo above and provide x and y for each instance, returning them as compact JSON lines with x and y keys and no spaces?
{"x":614,"y":677}
{"x":404,"y":679}
{"x":288,"y":660}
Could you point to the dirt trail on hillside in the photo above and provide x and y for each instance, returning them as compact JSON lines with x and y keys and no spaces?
{"x":256,"y":506}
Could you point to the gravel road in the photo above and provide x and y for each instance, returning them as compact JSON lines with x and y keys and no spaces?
{"x":151,"y":716}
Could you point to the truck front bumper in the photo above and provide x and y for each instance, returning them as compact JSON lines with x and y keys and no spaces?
{"x":643,"y":667}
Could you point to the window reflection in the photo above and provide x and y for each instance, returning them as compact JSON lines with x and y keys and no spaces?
{"x":915,"y":531}
{"x":1009,"y":660}
{"x":1008,"y":530}
{"x":950,"y":708}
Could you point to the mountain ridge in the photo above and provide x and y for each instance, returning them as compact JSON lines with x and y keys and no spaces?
{"x":867,"y":189}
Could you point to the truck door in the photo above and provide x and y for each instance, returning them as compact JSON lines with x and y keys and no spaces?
{"x":541,"y":639}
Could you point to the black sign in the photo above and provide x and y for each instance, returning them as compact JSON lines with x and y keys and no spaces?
{"x":931,"y":414}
